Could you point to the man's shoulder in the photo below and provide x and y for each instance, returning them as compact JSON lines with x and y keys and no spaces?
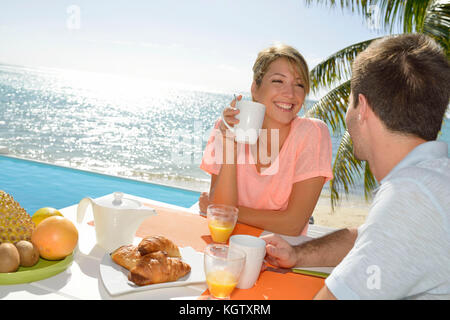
{"x":430,"y":172}
{"x":440,"y":166}
{"x":419,"y":192}
{"x":430,"y":178}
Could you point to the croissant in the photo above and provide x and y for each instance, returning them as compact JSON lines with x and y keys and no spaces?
{"x":157,"y":267}
{"x":126,"y":256}
{"x":158,"y":243}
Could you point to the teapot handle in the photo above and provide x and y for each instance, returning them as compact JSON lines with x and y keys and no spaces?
{"x":82,"y":206}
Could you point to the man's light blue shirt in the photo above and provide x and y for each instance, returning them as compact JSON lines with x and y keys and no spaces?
{"x":403,"y":249}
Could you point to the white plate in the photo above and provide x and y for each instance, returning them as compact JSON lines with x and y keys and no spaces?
{"x":115,"y":277}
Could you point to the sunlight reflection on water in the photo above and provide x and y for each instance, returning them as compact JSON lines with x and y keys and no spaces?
{"x":105,"y":123}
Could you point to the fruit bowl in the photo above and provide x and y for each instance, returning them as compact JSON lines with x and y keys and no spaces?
{"x":42,"y":270}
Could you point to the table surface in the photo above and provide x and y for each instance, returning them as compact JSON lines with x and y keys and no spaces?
{"x":82,"y":279}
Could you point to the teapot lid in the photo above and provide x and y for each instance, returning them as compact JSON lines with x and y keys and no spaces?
{"x":117,"y":201}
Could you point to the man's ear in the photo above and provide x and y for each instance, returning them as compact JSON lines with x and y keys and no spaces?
{"x":363,"y":107}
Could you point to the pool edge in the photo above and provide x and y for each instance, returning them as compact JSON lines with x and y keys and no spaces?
{"x":97,"y":172}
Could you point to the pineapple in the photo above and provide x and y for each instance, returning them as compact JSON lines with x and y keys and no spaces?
{"x":15,"y":222}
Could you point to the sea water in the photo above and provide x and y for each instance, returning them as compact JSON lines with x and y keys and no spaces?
{"x":134,"y":128}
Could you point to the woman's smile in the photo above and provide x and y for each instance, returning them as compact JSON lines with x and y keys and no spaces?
{"x":286,"y":107}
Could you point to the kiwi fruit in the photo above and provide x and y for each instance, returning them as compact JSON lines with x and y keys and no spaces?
{"x":9,"y":257}
{"x":28,"y":252}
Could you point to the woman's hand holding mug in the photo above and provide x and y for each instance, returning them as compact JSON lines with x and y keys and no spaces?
{"x":245,"y":124}
{"x":228,"y":115}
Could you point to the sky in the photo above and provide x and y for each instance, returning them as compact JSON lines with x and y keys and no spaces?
{"x":204,"y":44}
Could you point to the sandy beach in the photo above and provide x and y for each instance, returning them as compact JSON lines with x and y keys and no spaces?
{"x":349,"y":214}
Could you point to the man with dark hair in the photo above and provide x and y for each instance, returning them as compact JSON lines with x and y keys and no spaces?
{"x":400,"y":91}
{"x":406,"y":82}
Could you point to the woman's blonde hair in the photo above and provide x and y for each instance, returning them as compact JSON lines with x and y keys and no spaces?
{"x":269,"y":55}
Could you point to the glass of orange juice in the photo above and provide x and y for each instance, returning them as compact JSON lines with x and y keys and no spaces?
{"x":223,"y":267}
{"x":221,"y":221}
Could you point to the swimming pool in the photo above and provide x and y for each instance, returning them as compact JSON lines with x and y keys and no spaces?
{"x":35,"y":185}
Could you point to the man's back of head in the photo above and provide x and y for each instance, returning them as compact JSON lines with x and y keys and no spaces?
{"x":406,"y":81}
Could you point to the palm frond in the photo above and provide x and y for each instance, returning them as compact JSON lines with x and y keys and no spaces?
{"x":369,"y":182}
{"x":437,"y":24}
{"x":361,"y":6}
{"x":332,"y":107}
{"x":407,"y":15}
{"x":336,"y":67}
{"x":345,"y":169}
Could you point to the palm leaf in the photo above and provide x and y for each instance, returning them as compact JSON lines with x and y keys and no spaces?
{"x":332,"y":107}
{"x":361,"y":6}
{"x":437,"y":24}
{"x":431,"y":17}
{"x":369,"y":182}
{"x":407,"y":15}
{"x":336,"y":67}
{"x":345,"y":168}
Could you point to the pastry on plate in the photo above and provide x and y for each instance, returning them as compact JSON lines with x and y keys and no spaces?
{"x":158,"y":243}
{"x":155,"y":260}
{"x":126,"y":256}
{"x":158,"y":267}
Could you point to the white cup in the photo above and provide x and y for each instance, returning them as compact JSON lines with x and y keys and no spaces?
{"x":255,"y":250}
{"x":251,"y":117}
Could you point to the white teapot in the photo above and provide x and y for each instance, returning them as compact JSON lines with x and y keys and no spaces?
{"x":116,"y":219}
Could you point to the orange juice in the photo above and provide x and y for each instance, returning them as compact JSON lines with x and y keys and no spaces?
{"x":220,"y":231}
{"x":221,"y":283}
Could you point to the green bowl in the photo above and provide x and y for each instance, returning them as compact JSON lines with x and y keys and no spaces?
{"x":42,"y":270}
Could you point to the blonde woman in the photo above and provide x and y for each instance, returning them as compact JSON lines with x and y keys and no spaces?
{"x":278,"y":196}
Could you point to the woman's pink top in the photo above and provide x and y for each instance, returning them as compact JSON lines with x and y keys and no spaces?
{"x":305,"y":154}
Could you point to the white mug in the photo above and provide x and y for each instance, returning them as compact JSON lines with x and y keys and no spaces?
{"x":255,"y":250}
{"x":251,"y":117}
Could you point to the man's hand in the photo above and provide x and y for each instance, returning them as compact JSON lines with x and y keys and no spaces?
{"x":279,"y":252}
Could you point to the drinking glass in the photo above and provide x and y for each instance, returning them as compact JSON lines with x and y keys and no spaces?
{"x":223,"y":267}
{"x":221,"y":221}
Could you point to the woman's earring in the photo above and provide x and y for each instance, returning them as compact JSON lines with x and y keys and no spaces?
{"x":359,"y":117}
